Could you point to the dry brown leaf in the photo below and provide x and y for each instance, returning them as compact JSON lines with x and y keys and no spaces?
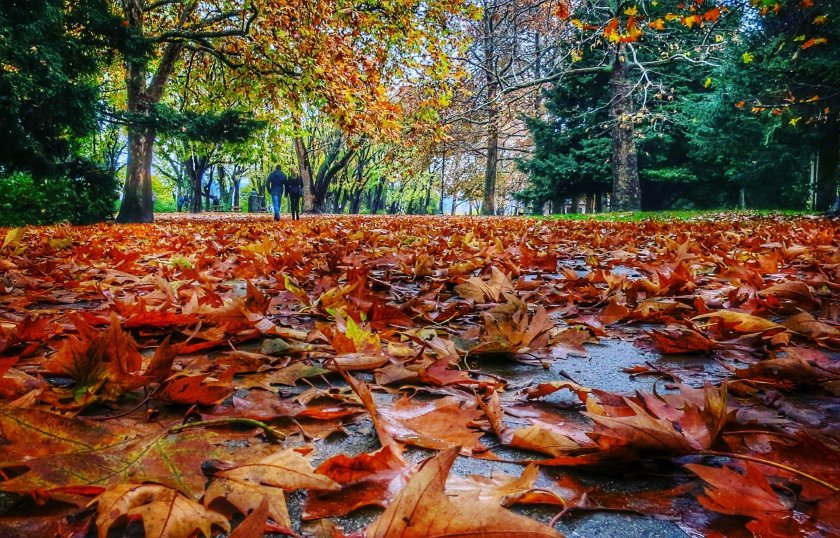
{"x":423,"y":510}
{"x":165,"y":512}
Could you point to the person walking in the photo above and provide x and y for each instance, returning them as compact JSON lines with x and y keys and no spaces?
{"x":275,"y":185}
{"x":294,"y":190}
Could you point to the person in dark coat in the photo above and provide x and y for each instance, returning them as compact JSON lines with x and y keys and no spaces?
{"x":294,"y":190}
{"x":275,"y":185}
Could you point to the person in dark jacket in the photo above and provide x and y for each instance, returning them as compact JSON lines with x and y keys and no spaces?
{"x":275,"y":185}
{"x":294,"y":190}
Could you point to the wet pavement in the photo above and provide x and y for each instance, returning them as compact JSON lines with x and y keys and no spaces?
{"x":600,"y":368}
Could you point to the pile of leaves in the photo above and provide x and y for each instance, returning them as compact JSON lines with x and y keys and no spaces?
{"x":184,"y":378}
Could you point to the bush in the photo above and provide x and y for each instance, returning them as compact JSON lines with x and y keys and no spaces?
{"x":85,"y":194}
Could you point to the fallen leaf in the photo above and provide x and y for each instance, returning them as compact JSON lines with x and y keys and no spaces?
{"x":366,"y":480}
{"x":165,"y":513}
{"x":423,"y":510}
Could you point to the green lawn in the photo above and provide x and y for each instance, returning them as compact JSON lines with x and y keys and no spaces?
{"x":636,"y":216}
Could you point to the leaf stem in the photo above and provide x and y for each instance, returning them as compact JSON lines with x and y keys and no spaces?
{"x":270,"y":432}
{"x":753,"y":459}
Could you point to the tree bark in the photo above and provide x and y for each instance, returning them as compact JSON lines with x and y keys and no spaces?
{"x":141,"y":97}
{"x":442,"y":180}
{"x":224,"y":186}
{"x":488,"y":205}
{"x":378,"y":203}
{"x":428,"y":199}
{"x":196,"y":167}
{"x":327,"y":171}
{"x":236,"y":179}
{"x":828,"y":169}
{"x":137,"y":205}
{"x":304,"y":169}
{"x":627,"y":194}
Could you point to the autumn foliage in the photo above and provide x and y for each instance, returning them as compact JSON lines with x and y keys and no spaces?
{"x":185,"y":377}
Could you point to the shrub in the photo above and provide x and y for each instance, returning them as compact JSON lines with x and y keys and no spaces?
{"x":86,"y":193}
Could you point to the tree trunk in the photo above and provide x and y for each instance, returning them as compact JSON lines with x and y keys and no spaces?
{"x":627,"y":194}
{"x":354,"y":193}
{"x":490,"y":170}
{"x":234,"y":201}
{"x":196,"y":168}
{"x":442,"y":180}
{"x":599,"y":202}
{"x":378,"y":203}
{"x":427,"y":199}
{"x":224,"y":186}
{"x":137,"y":205}
{"x":141,"y":95}
{"x":305,"y":170}
{"x":355,"y":202}
{"x":207,"y":188}
{"x":828,"y":170}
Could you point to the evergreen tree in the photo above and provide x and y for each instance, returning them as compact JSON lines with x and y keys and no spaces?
{"x":51,"y":52}
{"x":571,"y":147}
{"x":50,"y":55}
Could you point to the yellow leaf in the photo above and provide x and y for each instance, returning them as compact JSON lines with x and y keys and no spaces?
{"x":820,"y":19}
{"x":708,"y":82}
{"x":794,"y":121}
{"x":363,"y":339}
{"x":632,"y":11}
{"x":13,"y":237}
{"x":692,"y":20}
{"x":747,"y":57}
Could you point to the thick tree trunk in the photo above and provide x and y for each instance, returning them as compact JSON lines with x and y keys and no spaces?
{"x":141,"y":95}
{"x":627,"y":192}
{"x":137,"y":205}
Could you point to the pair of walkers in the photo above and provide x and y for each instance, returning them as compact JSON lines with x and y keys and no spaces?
{"x":293,"y":186}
